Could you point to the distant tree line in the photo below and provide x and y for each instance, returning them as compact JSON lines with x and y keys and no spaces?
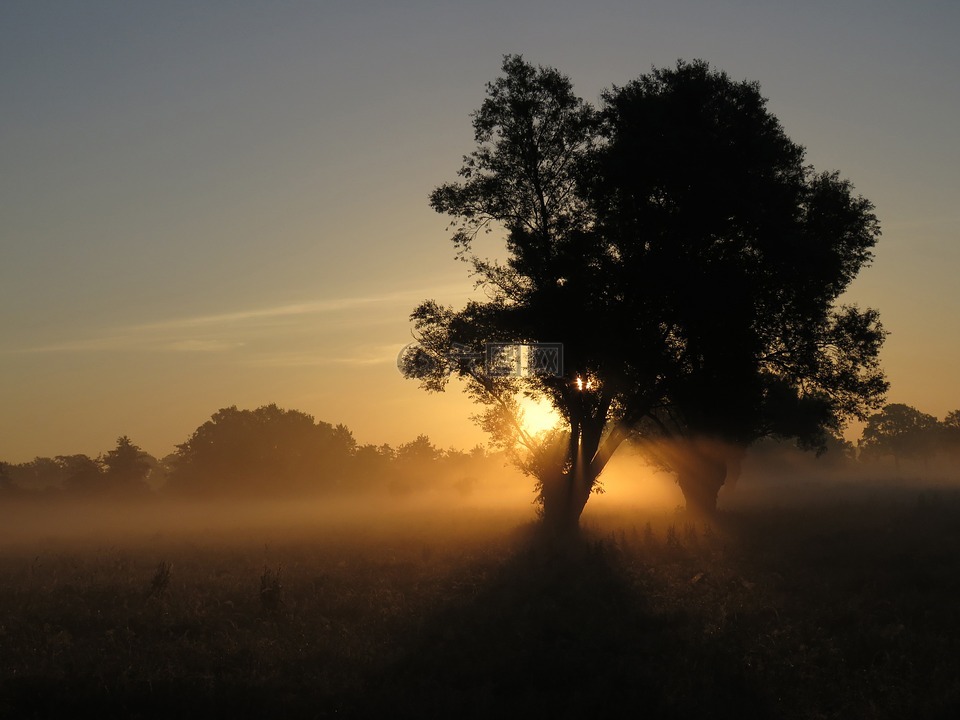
{"x":267,"y":452}
{"x":272,"y":452}
{"x":121,"y":472}
{"x":902,"y":433}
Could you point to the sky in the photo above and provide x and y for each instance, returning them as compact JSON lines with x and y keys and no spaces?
{"x":225,"y":203}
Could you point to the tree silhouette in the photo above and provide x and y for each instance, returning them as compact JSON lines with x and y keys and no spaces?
{"x":901,"y":432}
{"x":420,"y":450}
{"x":267,"y":450}
{"x":7,"y":486}
{"x":127,"y":467}
{"x":687,"y":258}
{"x":119,"y":473}
{"x":40,"y":474}
{"x":416,"y":464}
{"x":370,"y":466}
{"x":82,"y":475}
{"x":950,"y":433}
{"x":736,"y":252}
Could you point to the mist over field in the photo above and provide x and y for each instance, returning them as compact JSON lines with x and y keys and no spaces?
{"x":824,"y":587}
{"x":493,"y":492}
{"x":432,"y":495}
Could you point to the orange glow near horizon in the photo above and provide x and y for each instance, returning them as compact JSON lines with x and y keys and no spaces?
{"x":179,"y":239}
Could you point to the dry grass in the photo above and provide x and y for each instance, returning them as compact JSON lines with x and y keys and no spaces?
{"x":844,"y":611}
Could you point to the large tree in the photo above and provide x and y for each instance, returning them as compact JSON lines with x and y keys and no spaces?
{"x":127,"y":467}
{"x":690,"y":262}
{"x":267,"y":451}
{"x":901,"y":432}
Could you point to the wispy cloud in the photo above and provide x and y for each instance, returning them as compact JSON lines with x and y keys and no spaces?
{"x":117,"y":343}
{"x":380,"y":355}
{"x":224,"y":332}
{"x":202,"y":346}
{"x":316,"y":307}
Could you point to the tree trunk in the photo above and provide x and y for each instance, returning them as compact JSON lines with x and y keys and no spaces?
{"x":564,"y":497}
{"x":701,"y":473}
{"x":565,"y":491}
{"x":701,"y":485}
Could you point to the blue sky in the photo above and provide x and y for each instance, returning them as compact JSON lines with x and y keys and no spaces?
{"x":209,"y":204}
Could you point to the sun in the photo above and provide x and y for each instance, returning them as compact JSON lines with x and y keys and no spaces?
{"x":538,"y":415}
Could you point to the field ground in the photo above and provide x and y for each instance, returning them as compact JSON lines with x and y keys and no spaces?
{"x":844,"y":609}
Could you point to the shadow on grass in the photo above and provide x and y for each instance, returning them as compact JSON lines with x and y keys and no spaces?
{"x":540,"y":632}
{"x":559,"y":633}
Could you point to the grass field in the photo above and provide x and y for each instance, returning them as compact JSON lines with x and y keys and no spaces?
{"x":847,"y":608}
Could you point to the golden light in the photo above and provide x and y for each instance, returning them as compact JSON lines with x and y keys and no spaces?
{"x":588,"y":384}
{"x":538,"y":416}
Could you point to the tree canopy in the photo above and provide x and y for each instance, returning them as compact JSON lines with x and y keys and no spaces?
{"x":264,"y":450}
{"x":690,"y":261}
{"x":901,"y":432}
{"x":127,"y":465}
